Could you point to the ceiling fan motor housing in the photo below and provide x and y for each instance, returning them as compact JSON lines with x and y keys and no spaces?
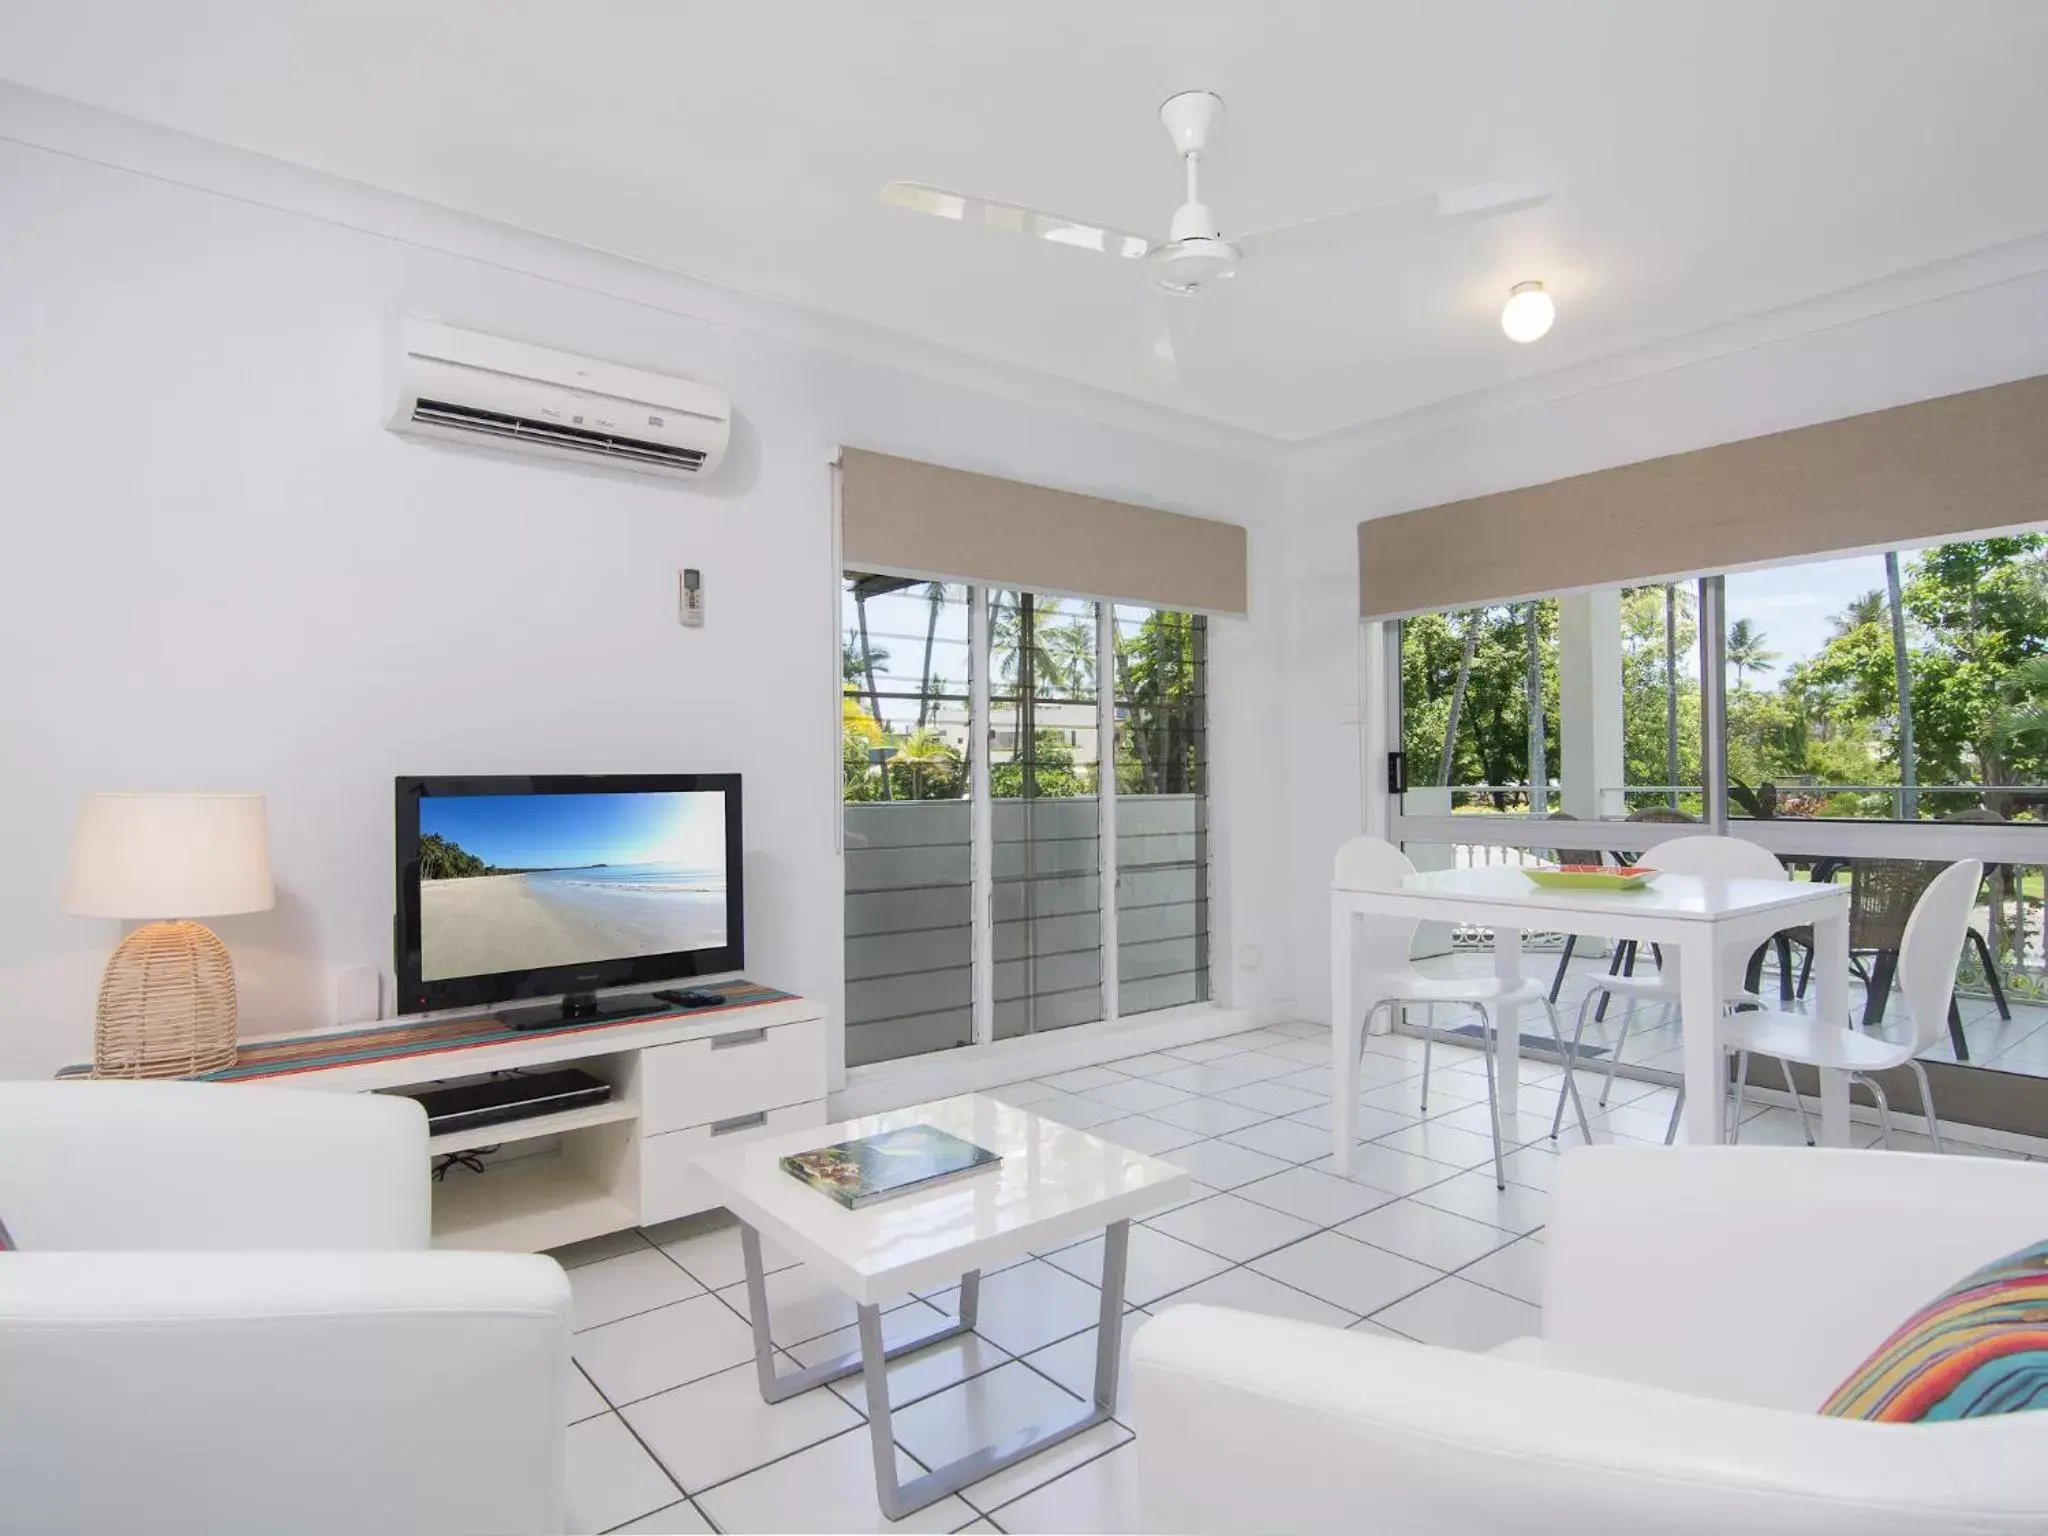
{"x":1190,"y":264}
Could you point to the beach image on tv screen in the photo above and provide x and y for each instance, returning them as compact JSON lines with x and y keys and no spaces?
{"x":518,"y":882}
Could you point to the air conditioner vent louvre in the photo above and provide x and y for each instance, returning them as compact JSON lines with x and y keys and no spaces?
{"x":601,"y":445}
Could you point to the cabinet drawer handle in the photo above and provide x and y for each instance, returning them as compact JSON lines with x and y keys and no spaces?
{"x":739,"y":1037}
{"x":740,"y":1123}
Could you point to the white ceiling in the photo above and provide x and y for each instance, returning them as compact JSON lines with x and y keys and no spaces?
{"x":1714,"y":158}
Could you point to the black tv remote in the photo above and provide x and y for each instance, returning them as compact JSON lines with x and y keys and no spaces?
{"x":689,"y":997}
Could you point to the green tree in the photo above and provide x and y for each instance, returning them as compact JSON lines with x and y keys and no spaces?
{"x":1491,"y":745}
{"x":1052,"y":771}
{"x":1159,"y":702}
{"x":443,"y":860}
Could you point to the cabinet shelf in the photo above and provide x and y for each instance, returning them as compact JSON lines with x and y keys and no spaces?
{"x":533,"y":1127}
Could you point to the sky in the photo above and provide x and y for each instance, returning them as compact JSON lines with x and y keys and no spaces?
{"x":1793,"y":604}
{"x":574,"y":831}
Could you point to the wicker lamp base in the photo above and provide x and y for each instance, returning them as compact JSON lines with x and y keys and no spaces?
{"x":167,"y":1005}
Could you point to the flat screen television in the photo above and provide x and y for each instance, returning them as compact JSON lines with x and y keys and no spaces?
{"x":513,"y":887}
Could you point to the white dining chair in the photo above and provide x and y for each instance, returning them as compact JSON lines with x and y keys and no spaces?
{"x":1386,"y":944}
{"x":1726,"y":858}
{"x":1928,"y":955}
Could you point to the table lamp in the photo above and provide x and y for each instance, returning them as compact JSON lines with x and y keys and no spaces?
{"x":167,"y":999}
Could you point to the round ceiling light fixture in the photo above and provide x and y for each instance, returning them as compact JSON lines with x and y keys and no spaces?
{"x":1528,"y":313}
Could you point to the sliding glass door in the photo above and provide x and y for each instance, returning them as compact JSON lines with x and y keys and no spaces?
{"x":1025,"y":849}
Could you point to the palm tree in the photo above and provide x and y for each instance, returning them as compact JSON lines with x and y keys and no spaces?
{"x":1867,"y":609}
{"x":1745,"y":650}
{"x":935,"y":594}
{"x":1909,"y":797}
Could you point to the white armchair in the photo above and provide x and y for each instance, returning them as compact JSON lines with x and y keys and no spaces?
{"x":1699,"y":1305}
{"x":223,"y":1319}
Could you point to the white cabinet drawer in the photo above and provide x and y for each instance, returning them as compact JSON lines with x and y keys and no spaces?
{"x":671,"y":1186}
{"x":736,"y":1071}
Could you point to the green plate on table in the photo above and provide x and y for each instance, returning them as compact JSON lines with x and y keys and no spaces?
{"x":1590,"y":877}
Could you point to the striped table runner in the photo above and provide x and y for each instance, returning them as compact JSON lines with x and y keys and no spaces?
{"x":293,"y":1054}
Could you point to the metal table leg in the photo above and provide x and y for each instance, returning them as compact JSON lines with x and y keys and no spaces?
{"x":776,"y":1386}
{"x":898,"y":1500}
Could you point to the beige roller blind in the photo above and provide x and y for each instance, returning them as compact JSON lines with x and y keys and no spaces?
{"x":903,"y":516}
{"x":1936,"y":469}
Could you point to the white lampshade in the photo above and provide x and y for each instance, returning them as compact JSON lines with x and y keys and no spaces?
{"x":169,"y":855}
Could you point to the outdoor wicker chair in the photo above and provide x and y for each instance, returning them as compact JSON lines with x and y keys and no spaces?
{"x":1881,"y":897}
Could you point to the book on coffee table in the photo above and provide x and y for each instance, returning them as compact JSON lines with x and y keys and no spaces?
{"x":866,"y":1169}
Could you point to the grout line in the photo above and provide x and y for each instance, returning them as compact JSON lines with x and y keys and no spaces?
{"x":1069,"y":1472}
{"x":682,"y":1492}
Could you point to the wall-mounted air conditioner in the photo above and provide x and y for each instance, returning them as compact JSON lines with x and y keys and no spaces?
{"x":505,"y":394}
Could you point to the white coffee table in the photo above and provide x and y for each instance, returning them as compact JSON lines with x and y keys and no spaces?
{"x":1054,"y":1184}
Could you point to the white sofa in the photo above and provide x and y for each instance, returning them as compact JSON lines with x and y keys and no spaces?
{"x":1699,"y":1305}
{"x":223,"y":1319}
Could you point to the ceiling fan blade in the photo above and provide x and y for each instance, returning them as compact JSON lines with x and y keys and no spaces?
{"x":1389,"y":221}
{"x":1014,"y":219}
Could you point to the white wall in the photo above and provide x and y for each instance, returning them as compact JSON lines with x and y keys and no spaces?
{"x":221,"y":571}
{"x":1852,"y":362}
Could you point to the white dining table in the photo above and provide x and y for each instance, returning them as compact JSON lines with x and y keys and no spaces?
{"x":1694,"y":920}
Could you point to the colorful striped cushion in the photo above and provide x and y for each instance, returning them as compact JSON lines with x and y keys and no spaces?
{"x":1979,"y":1348}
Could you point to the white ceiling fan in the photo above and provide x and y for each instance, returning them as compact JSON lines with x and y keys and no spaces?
{"x":1195,"y":256}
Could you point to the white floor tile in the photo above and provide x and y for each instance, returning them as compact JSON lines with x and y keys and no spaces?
{"x":1285,"y":1139}
{"x":1259,"y":1039}
{"x":1321,"y":1199}
{"x":1029,"y":1306}
{"x":1248,"y":1291}
{"x":1457,"y":1314}
{"x":1347,"y":1274}
{"x":1158,"y":1264}
{"x":1376,"y":1071}
{"x":592,"y":1249}
{"x":1081,"y":1079}
{"x":1222,"y":1166}
{"x":584,"y":1399}
{"x":1076,"y":1110}
{"x":978,"y":1528}
{"x":1516,"y":1270}
{"x":919,"y":1375}
{"x":1303,"y":1029}
{"x":1211,"y":1117}
{"x":1099,"y":1497}
{"x":980,"y":1412}
{"x":802,"y":1305}
{"x":1441,"y":1143}
{"x":1382,"y":1167}
{"x":679,"y":1519}
{"x":1147,"y":1065}
{"x":1513,"y":1209}
{"x":1532,"y":1123}
{"x":1202,"y":1050}
{"x":1372,"y":1122}
{"x":1144,"y":1133}
{"x":1274,"y":1098}
{"x":1307,"y":1053}
{"x":612,"y":1479}
{"x":1071,"y":1363}
{"x":639,"y":1356}
{"x":717,"y":1428}
{"x":618,"y":1287}
{"x":828,"y":1488}
{"x":1534,"y":1167}
{"x":1263,"y":1066}
{"x":711,"y":1251}
{"x":1406,"y":1098}
{"x":1136,"y":1095}
{"x":1320,"y":1081}
{"x":1426,"y":1234}
{"x":1378,"y":1330}
{"x":1014,"y":1482}
{"x":1021,"y":1095}
{"x":1233,"y":1227}
{"x":1201,"y":1077}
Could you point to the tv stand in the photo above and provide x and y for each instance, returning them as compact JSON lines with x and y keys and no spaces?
{"x":583,"y":1008}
